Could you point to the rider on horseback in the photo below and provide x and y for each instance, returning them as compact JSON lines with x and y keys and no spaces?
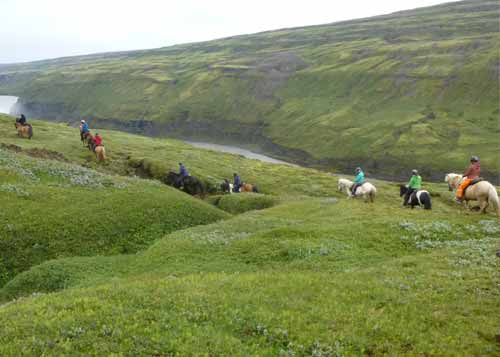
{"x":22,"y":120}
{"x":414,"y":185}
{"x":236,"y":182}
{"x":359,"y":180}
{"x":183,"y":173}
{"x":84,"y":129}
{"x":471,"y":174}
{"x":95,"y":142}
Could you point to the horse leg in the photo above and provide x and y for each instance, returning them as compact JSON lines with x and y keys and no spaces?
{"x":466,"y":205}
{"x":483,"y":204}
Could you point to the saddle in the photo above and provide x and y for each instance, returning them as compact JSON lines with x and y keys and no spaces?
{"x":473,"y":182}
{"x":476,"y":180}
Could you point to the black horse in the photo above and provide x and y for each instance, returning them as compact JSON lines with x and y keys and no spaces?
{"x":417,"y":198}
{"x":190,"y":184}
{"x":226,"y":186}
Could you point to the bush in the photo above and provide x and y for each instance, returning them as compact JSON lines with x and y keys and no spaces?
{"x":240,"y":203}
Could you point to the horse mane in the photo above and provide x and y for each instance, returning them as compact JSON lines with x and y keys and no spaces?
{"x":451,"y":176}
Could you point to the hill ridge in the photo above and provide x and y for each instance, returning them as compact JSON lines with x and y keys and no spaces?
{"x":365,"y":93}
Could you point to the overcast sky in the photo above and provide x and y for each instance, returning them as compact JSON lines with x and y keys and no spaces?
{"x":39,"y":29}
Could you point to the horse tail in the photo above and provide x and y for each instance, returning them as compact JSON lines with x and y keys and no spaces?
{"x":494,"y":200}
{"x":373,"y":193}
{"x":426,"y":200}
{"x":255,"y":189}
{"x":102,"y":154}
{"x":30,"y":131}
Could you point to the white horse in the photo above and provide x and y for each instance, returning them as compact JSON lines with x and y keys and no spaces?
{"x":367,"y":190}
{"x":483,"y":192}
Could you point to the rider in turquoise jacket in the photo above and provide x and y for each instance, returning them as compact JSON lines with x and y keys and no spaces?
{"x":359,"y":180}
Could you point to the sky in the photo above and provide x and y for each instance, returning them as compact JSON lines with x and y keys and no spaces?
{"x":40,"y":29}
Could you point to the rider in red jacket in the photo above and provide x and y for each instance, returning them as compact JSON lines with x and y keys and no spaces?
{"x":472,"y":173}
{"x":97,"y":140}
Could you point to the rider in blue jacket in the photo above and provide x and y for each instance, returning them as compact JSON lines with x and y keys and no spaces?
{"x":182,"y":170}
{"x":358,"y":181}
{"x":85,"y":127}
{"x":183,"y":173}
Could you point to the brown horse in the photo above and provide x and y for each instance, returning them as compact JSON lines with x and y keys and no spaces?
{"x":100,"y":153}
{"x":87,"y":138}
{"x":246,"y":187}
{"x":24,"y":131}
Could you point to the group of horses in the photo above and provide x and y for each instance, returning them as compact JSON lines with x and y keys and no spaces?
{"x":88,"y":141}
{"x":482,"y":191}
{"x":193,"y":186}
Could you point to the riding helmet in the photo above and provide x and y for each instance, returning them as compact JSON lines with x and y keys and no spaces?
{"x":474,"y":159}
{"x":414,"y":172}
{"x":82,"y":121}
{"x":358,"y":169}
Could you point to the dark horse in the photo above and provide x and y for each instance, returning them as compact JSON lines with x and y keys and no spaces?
{"x":190,"y":184}
{"x":417,"y":198}
{"x":226,"y":186}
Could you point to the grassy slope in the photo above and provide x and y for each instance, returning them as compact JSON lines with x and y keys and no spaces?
{"x":295,"y":278}
{"x":372,"y":91}
{"x":310,"y":276}
{"x":53,"y":209}
{"x":156,"y":156}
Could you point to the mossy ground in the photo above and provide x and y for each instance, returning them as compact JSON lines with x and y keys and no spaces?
{"x":315,"y":274}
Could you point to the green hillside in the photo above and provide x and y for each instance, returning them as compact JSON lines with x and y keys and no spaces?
{"x":53,"y":209}
{"x":297,"y":271}
{"x":418,"y":88}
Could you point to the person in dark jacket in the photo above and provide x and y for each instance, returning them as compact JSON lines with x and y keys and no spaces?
{"x":22,"y":120}
{"x":182,"y":170}
{"x":183,"y":173}
{"x":236,"y":182}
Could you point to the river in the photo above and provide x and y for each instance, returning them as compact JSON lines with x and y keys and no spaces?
{"x":6,"y":103}
{"x":238,"y":151}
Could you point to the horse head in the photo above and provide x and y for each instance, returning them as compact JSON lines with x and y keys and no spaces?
{"x":225,"y":186}
{"x":402,"y":190}
{"x":343,"y":184}
{"x":453,"y":180}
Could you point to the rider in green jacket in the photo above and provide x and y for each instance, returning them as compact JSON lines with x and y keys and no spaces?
{"x":414,"y":185}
